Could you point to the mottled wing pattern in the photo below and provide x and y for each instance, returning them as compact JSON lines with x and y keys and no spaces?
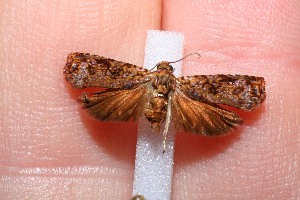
{"x":117,"y":105}
{"x":201,"y":118}
{"x":84,"y":70}
{"x":240,"y":91}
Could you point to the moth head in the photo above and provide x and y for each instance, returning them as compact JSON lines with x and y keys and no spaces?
{"x":164,"y":65}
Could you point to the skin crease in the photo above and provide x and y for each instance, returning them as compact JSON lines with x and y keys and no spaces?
{"x":51,"y":149}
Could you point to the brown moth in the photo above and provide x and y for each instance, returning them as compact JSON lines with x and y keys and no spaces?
{"x":191,"y":101}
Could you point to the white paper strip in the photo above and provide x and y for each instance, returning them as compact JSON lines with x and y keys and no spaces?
{"x":153,"y":169}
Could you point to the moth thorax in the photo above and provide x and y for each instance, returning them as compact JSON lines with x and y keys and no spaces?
{"x":164,"y":82}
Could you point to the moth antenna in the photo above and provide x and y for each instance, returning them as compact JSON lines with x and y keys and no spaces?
{"x":177,"y":60}
{"x":185,"y":57}
{"x":154,"y":66}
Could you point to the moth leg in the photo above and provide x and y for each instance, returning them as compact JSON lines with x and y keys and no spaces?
{"x":167,"y":124}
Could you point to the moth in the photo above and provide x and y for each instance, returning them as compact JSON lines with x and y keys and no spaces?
{"x":191,"y":102}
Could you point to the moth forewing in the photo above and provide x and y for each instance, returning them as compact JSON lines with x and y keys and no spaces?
{"x":84,"y":70}
{"x":240,"y":91}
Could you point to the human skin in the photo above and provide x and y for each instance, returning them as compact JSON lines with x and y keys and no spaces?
{"x":50,"y":147}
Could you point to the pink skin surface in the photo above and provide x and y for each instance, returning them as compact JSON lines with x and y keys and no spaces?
{"x":51,"y":149}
